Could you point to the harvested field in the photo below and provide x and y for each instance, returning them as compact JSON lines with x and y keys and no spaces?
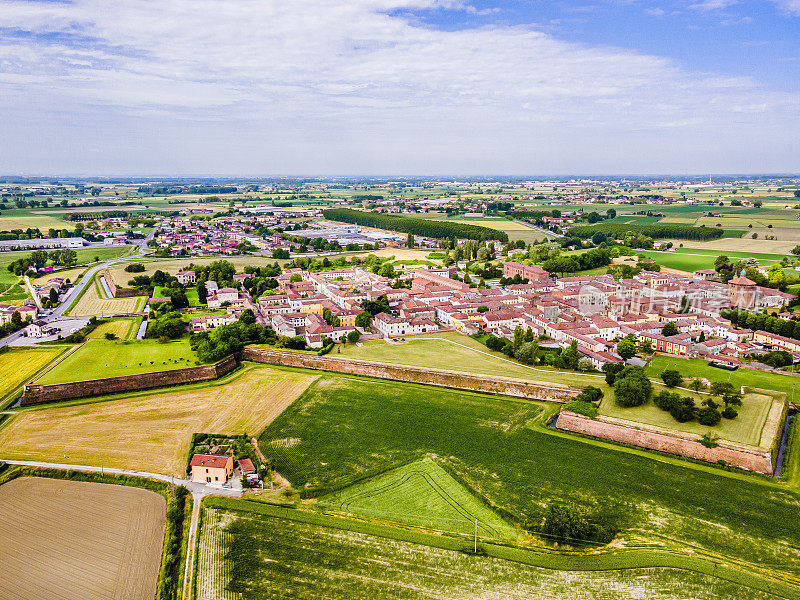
{"x":18,"y":365}
{"x":122,"y":328}
{"x":79,"y":541}
{"x":151,"y":431}
{"x":94,"y":303}
{"x":248,"y":556}
{"x":71,"y":274}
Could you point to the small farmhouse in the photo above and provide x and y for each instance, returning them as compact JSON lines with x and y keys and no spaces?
{"x":211,"y":468}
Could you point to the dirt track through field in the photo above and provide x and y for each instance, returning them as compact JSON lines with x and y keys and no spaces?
{"x":68,"y":540}
{"x":152,"y":432}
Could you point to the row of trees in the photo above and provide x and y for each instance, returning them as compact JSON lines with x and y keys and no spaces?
{"x":763,"y":322}
{"x":218,"y":343}
{"x":422,"y":227}
{"x":620,"y":230}
{"x":40,"y":258}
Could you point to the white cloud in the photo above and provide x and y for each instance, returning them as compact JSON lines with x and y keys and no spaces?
{"x":713,"y":4}
{"x":791,"y":7}
{"x":265,"y":86}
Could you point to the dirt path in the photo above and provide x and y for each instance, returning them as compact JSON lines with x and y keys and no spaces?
{"x":190,"y":549}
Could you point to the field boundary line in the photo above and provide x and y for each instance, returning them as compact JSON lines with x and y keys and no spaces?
{"x":612,"y":560}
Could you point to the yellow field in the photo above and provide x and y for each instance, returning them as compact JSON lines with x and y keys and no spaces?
{"x":75,"y":540}
{"x":30,"y":221}
{"x":71,"y":274}
{"x":744,"y":221}
{"x":19,"y":365}
{"x":151,"y":432}
{"x":783,"y":245}
{"x":499,"y":224}
{"x":92,"y":304}
{"x":122,"y":328}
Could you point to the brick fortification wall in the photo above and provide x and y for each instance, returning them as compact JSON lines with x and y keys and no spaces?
{"x":118,"y":292}
{"x":37,"y":394}
{"x":492,"y":385}
{"x":735,"y":455}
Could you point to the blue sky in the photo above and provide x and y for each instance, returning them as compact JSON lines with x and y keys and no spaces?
{"x":260,"y":87}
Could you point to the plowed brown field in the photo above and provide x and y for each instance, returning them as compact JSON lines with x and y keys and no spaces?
{"x":70,"y":540}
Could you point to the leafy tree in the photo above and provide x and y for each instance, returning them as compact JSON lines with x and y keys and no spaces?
{"x":709,"y":416}
{"x":683,"y":411}
{"x":375,"y":307}
{"x":669,"y":329}
{"x":527,"y":353}
{"x":729,"y":412}
{"x":626,"y":348}
{"x":632,"y":387}
{"x":671,"y":378}
{"x":53,"y":296}
{"x":611,"y":370}
{"x":666,"y":400}
{"x":247,"y":317}
{"x":363,"y":319}
{"x":571,"y":356}
{"x":354,"y":336}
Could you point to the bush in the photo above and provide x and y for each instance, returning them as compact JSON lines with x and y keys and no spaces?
{"x":566,"y":522}
{"x":582,"y":407}
{"x":666,"y":400}
{"x":683,"y":411}
{"x":709,"y":416}
{"x":591,"y":393}
{"x":671,"y":378}
{"x":730,"y":412}
{"x":134,"y":268}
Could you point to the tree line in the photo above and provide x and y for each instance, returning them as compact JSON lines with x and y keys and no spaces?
{"x":422,"y":227}
{"x":620,"y":230}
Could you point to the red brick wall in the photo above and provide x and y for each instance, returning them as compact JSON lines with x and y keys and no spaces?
{"x":737,"y":456}
{"x":37,"y":394}
{"x":492,"y":385}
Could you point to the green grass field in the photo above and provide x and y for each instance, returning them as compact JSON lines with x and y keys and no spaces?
{"x":456,"y":352}
{"x":696,"y":367}
{"x":100,"y":358}
{"x":420,"y":493}
{"x":493,"y":446}
{"x":744,"y":429}
{"x":246,"y":555}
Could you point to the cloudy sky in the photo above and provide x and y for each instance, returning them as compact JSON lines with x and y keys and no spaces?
{"x":263,"y":87}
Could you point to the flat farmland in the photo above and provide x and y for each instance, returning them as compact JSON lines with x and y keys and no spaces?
{"x":99,"y":358}
{"x":420,"y":493}
{"x":79,"y":541}
{"x":783,"y":245}
{"x":498,"y":448}
{"x":249,"y":556}
{"x":24,"y":219}
{"x":151,"y":431}
{"x":94,"y":303}
{"x":455,"y":352}
{"x":124,"y":329}
{"x":19,"y":365}
{"x":71,"y":274}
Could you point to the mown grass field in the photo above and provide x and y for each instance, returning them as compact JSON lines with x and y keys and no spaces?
{"x":744,"y":429}
{"x":76,"y":540}
{"x":493,"y":445}
{"x":18,"y":365}
{"x":94,"y":302}
{"x":696,"y":367}
{"x":99,"y":358}
{"x":420,"y":493}
{"x":455,"y":352}
{"x":248,"y":556}
{"x":151,"y":430}
{"x":20,"y":218}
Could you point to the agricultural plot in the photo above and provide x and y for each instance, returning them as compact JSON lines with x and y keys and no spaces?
{"x":94,"y":303}
{"x":151,"y":431}
{"x":124,"y":329}
{"x":24,"y":219}
{"x":79,"y":541}
{"x":495,"y":447}
{"x":247,"y":556}
{"x":744,"y":429}
{"x":420,"y":493}
{"x":18,"y":365}
{"x":99,"y":358}
{"x":455,"y":352}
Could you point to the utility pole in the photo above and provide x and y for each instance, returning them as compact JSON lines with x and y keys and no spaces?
{"x":101,"y":466}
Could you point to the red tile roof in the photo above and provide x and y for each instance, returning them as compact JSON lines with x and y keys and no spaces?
{"x":217,"y":461}
{"x":246,"y":465}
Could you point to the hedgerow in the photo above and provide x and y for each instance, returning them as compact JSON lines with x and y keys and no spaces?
{"x":617,"y":230}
